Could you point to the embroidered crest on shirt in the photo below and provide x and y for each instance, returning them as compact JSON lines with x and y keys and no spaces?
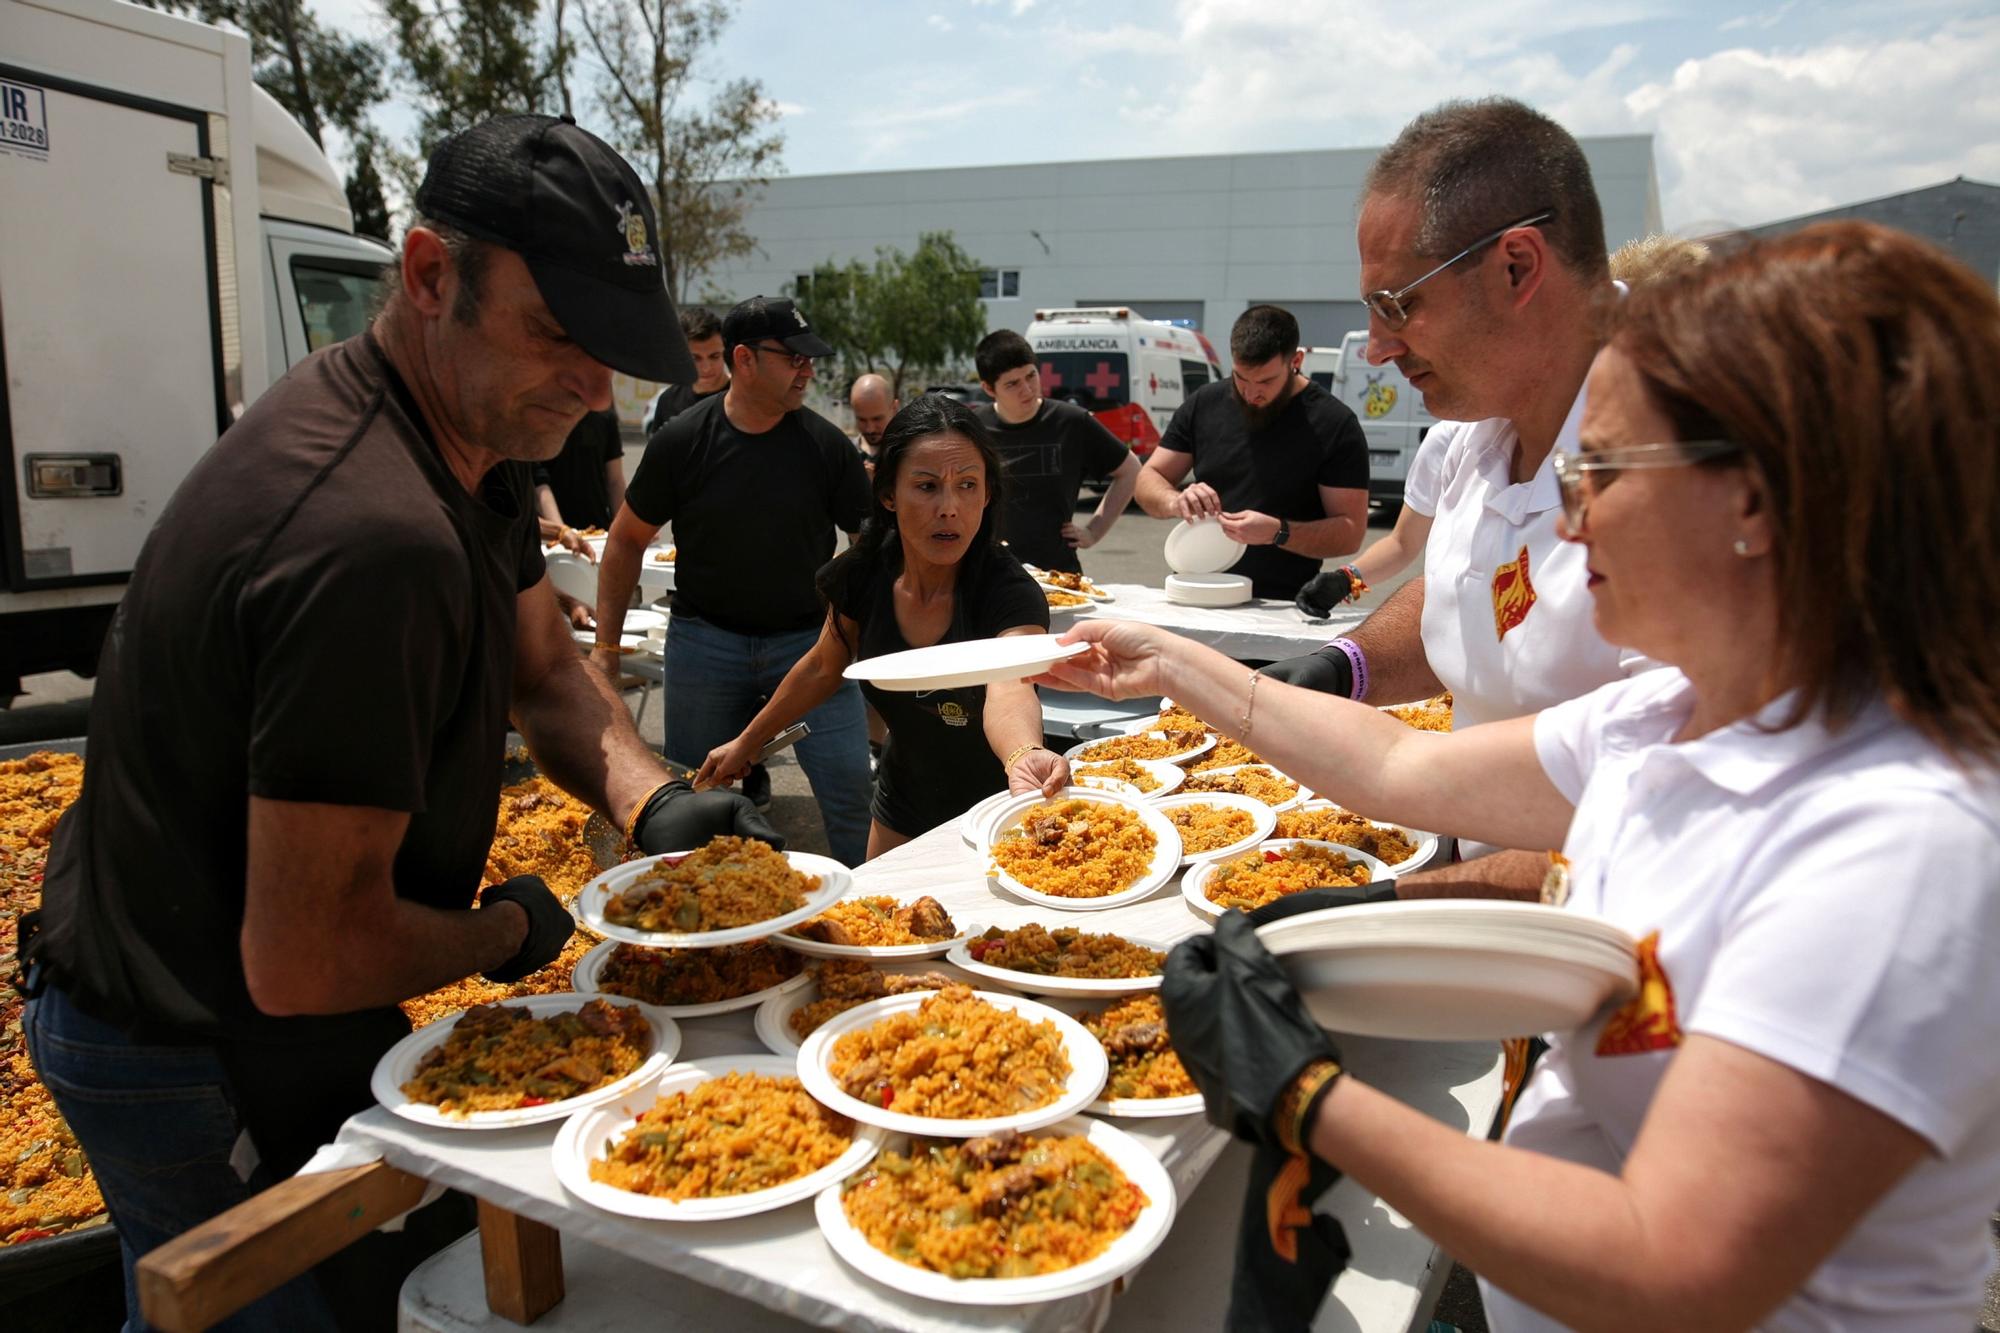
{"x":953,"y":713}
{"x":1647,"y":1021}
{"x":1513,"y":594}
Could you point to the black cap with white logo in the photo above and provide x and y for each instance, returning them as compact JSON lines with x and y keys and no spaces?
{"x":577,"y":214}
{"x":772,"y":317}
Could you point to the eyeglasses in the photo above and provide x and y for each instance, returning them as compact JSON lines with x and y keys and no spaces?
{"x":798,"y":360}
{"x":1607,"y":464}
{"x":1388,"y":306}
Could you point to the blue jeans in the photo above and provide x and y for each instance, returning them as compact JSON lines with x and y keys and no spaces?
{"x":158,"y":1125}
{"x":715,"y":683}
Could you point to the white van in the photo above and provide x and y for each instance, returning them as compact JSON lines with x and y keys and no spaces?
{"x":1129,"y":371}
{"x":1392,"y":413}
{"x":171,"y":241}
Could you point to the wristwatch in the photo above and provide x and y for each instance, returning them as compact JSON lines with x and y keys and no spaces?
{"x":1284,"y":532}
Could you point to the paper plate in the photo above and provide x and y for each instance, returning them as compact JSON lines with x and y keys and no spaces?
{"x":1055,"y":610}
{"x":1116,"y":786}
{"x":1299,"y":797}
{"x":834,"y":881}
{"x":1125,"y":1108}
{"x":1123,"y":1255}
{"x":1201,"y":547}
{"x":972,"y":662}
{"x":584,"y":979}
{"x":928,"y":949}
{"x":1166,"y":851}
{"x":774,"y":1016}
{"x":581,"y":1141}
{"x":1030,"y":983}
{"x":1214,"y":590}
{"x":1262,"y":816}
{"x":398,"y":1066}
{"x":1165,"y":772}
{"x":1194,"y":884}
{"x":1075,"y":753}
{"x":643,"y":620}
{"x":1453,"y":976}
{"x":1086,"y":1075}
{"x":1426,"y":844}
{"x":970,"y":823}
{"x":1090,"y":588}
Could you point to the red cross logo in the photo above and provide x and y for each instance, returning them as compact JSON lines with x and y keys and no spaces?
{"x":1153,"y":383}
{"x":1102,"y":380}
{"x":1050,"y":380}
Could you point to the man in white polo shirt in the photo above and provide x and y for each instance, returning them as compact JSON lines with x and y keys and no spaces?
{"x":1482,"y":253}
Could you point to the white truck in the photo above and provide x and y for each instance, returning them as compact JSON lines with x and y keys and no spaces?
{"x":1391,"y":412}
{"x":1128,"y":371}
{"x":171,"y":241}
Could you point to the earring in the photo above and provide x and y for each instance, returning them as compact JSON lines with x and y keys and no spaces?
{"x":1742,"y":547}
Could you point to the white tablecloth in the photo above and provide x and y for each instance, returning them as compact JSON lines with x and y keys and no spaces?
{"x":779,"y":1261}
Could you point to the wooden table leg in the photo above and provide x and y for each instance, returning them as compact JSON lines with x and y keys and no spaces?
{"x":523,"y":1261}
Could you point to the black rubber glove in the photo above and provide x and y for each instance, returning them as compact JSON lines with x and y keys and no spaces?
{"x":1320,"y":900}
{"x":1239,"y":1026}
{"x":549,"y":925}
{"x":679,"y":819}
{"x":1326,"y":670}
{"x":1280,"y":1280}
{"x":1324,"y":591}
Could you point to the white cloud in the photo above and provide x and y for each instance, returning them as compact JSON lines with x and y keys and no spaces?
{"x":939,"y":21}
{"x":924,"y":112}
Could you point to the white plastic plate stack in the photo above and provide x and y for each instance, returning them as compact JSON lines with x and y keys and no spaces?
{"x":1454,"y":969}
{"x":1197,"y":553}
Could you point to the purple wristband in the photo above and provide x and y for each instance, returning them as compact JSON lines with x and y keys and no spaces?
{"x":1359,"y":661}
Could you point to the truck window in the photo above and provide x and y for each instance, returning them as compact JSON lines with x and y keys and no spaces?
{"x":1091,"y":380}
{"x":334,"y":303}
{"x":1194,"y":374}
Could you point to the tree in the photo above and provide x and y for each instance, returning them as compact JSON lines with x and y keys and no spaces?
{"x":320,"y":76}
{"x":467,"y":60}
{"x":364,"y":188}
{"x":702,"y":165}
{"x":910,"y":317}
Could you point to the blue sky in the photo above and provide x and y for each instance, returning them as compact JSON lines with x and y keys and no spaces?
{"x":1758,"y":112}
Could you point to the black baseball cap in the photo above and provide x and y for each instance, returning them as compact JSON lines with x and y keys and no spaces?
{"x":773,"y":317}
{"x":576,"y":212}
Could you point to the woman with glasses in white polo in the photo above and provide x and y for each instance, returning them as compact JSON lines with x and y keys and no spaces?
{"x":1785,"y":488}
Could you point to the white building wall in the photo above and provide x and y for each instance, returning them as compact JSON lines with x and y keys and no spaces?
{"x":1225,"y":231}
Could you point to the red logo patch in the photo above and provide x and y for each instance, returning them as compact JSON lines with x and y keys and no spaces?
{"x":1513,"y":594}
{"x":1647,"y":1021}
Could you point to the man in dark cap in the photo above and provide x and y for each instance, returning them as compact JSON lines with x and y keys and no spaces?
{"x":297,"y":732}
{"x":755,"y":484}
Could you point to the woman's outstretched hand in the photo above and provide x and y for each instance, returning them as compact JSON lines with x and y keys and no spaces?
{"x":1124,"y":660}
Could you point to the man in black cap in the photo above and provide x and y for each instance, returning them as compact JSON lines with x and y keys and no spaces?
{"x":298,"y":726}
{"x":755,"y":485}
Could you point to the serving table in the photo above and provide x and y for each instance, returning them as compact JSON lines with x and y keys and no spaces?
{"x":777,"y":1261}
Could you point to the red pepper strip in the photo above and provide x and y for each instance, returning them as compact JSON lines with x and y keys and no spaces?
{"x":534,"y":1101}
{"x":888,"y":1095}
{"x":1273,"y":856}
{"x":32,"y":1233}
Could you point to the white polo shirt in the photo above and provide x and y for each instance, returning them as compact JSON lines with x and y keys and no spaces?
{"x":1426,"y":475}
{"x":1507,"y":622}
{"x":1830,"y":902}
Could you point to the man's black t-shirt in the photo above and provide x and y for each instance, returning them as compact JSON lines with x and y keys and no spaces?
{"x":576,"y":475}
{"x":1044,"y":462}
{"x":672,"y":401}
{"x":321,"y":614}
{"x":753,"y":515}
{"x":937,"y":761}
{"x":1316,"y":441}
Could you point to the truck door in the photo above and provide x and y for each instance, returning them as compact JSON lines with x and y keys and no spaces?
{"x":111,"y":324}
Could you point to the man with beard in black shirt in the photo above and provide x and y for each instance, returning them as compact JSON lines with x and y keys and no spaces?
{"x":1279,"y":461}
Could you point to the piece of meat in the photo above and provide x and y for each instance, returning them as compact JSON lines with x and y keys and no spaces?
{"x":1002,"y":1191}
{"x":994,"y":1149}
{"x":862,"y":1076}
{"x":929,"y":920}
{"x":849,"y":979}
{"x":1048,"y":830}
{"x":901,"y":984}
{"x":826,"y":932}
{"x":572,"y":1067}
{"x":1136,"y":1037}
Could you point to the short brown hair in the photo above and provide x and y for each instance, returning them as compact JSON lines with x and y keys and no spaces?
{"x":1475,"y":166}
{"x":1261,"y":333}
{"x":1859,"y":367}
{"x":699,"y":323}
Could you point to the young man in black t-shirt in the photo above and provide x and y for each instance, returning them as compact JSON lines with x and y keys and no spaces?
{"x":1047,"y":448}
{"x":297,"y":733}
{"x":1279,"y":461}
{"x":703,"y":332}
{"x":582,"y":486}
{"x":756,"y":485}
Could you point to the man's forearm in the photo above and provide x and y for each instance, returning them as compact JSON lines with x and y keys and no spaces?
{"x":1511,"y":874}
{"x":617,"y":575}
{"x":1116,"y":497}
{"x":583,"y":739}
{"x":1393,"y":640}
{"x":1327,"y":538}
{"x":1157,"y":496}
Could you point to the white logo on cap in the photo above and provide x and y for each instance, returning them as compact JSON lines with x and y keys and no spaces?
{"x":800,"y":318}
{"x":632,"y":225}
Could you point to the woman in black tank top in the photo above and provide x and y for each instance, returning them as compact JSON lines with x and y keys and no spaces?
{"x":927,"y":569}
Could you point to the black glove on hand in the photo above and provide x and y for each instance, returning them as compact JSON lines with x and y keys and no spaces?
{"x":1323,"y":592}
{"x":1326,"y":670}
{"x":549,"y":925}
{"x":678,"y":818}
{"x":1238,"y":1026}
{"x":1320,"y":900}
{"x":1286,"y":1254}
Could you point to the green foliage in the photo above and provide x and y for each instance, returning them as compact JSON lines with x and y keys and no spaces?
{"x":364,"y":189}
{"x":703,"y":164}
{"x":914,"y":317}
{"x":467,"y":60}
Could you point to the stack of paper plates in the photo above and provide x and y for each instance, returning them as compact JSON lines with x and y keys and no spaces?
{"x":1208,"y":589}
{"x":1454,"y":969}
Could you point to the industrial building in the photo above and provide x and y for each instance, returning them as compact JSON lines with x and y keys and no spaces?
{"x":1961,"y":215}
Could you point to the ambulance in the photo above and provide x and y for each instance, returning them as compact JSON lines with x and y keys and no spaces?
{"x":1128,"y":371}
{"x":1391,"y":413}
